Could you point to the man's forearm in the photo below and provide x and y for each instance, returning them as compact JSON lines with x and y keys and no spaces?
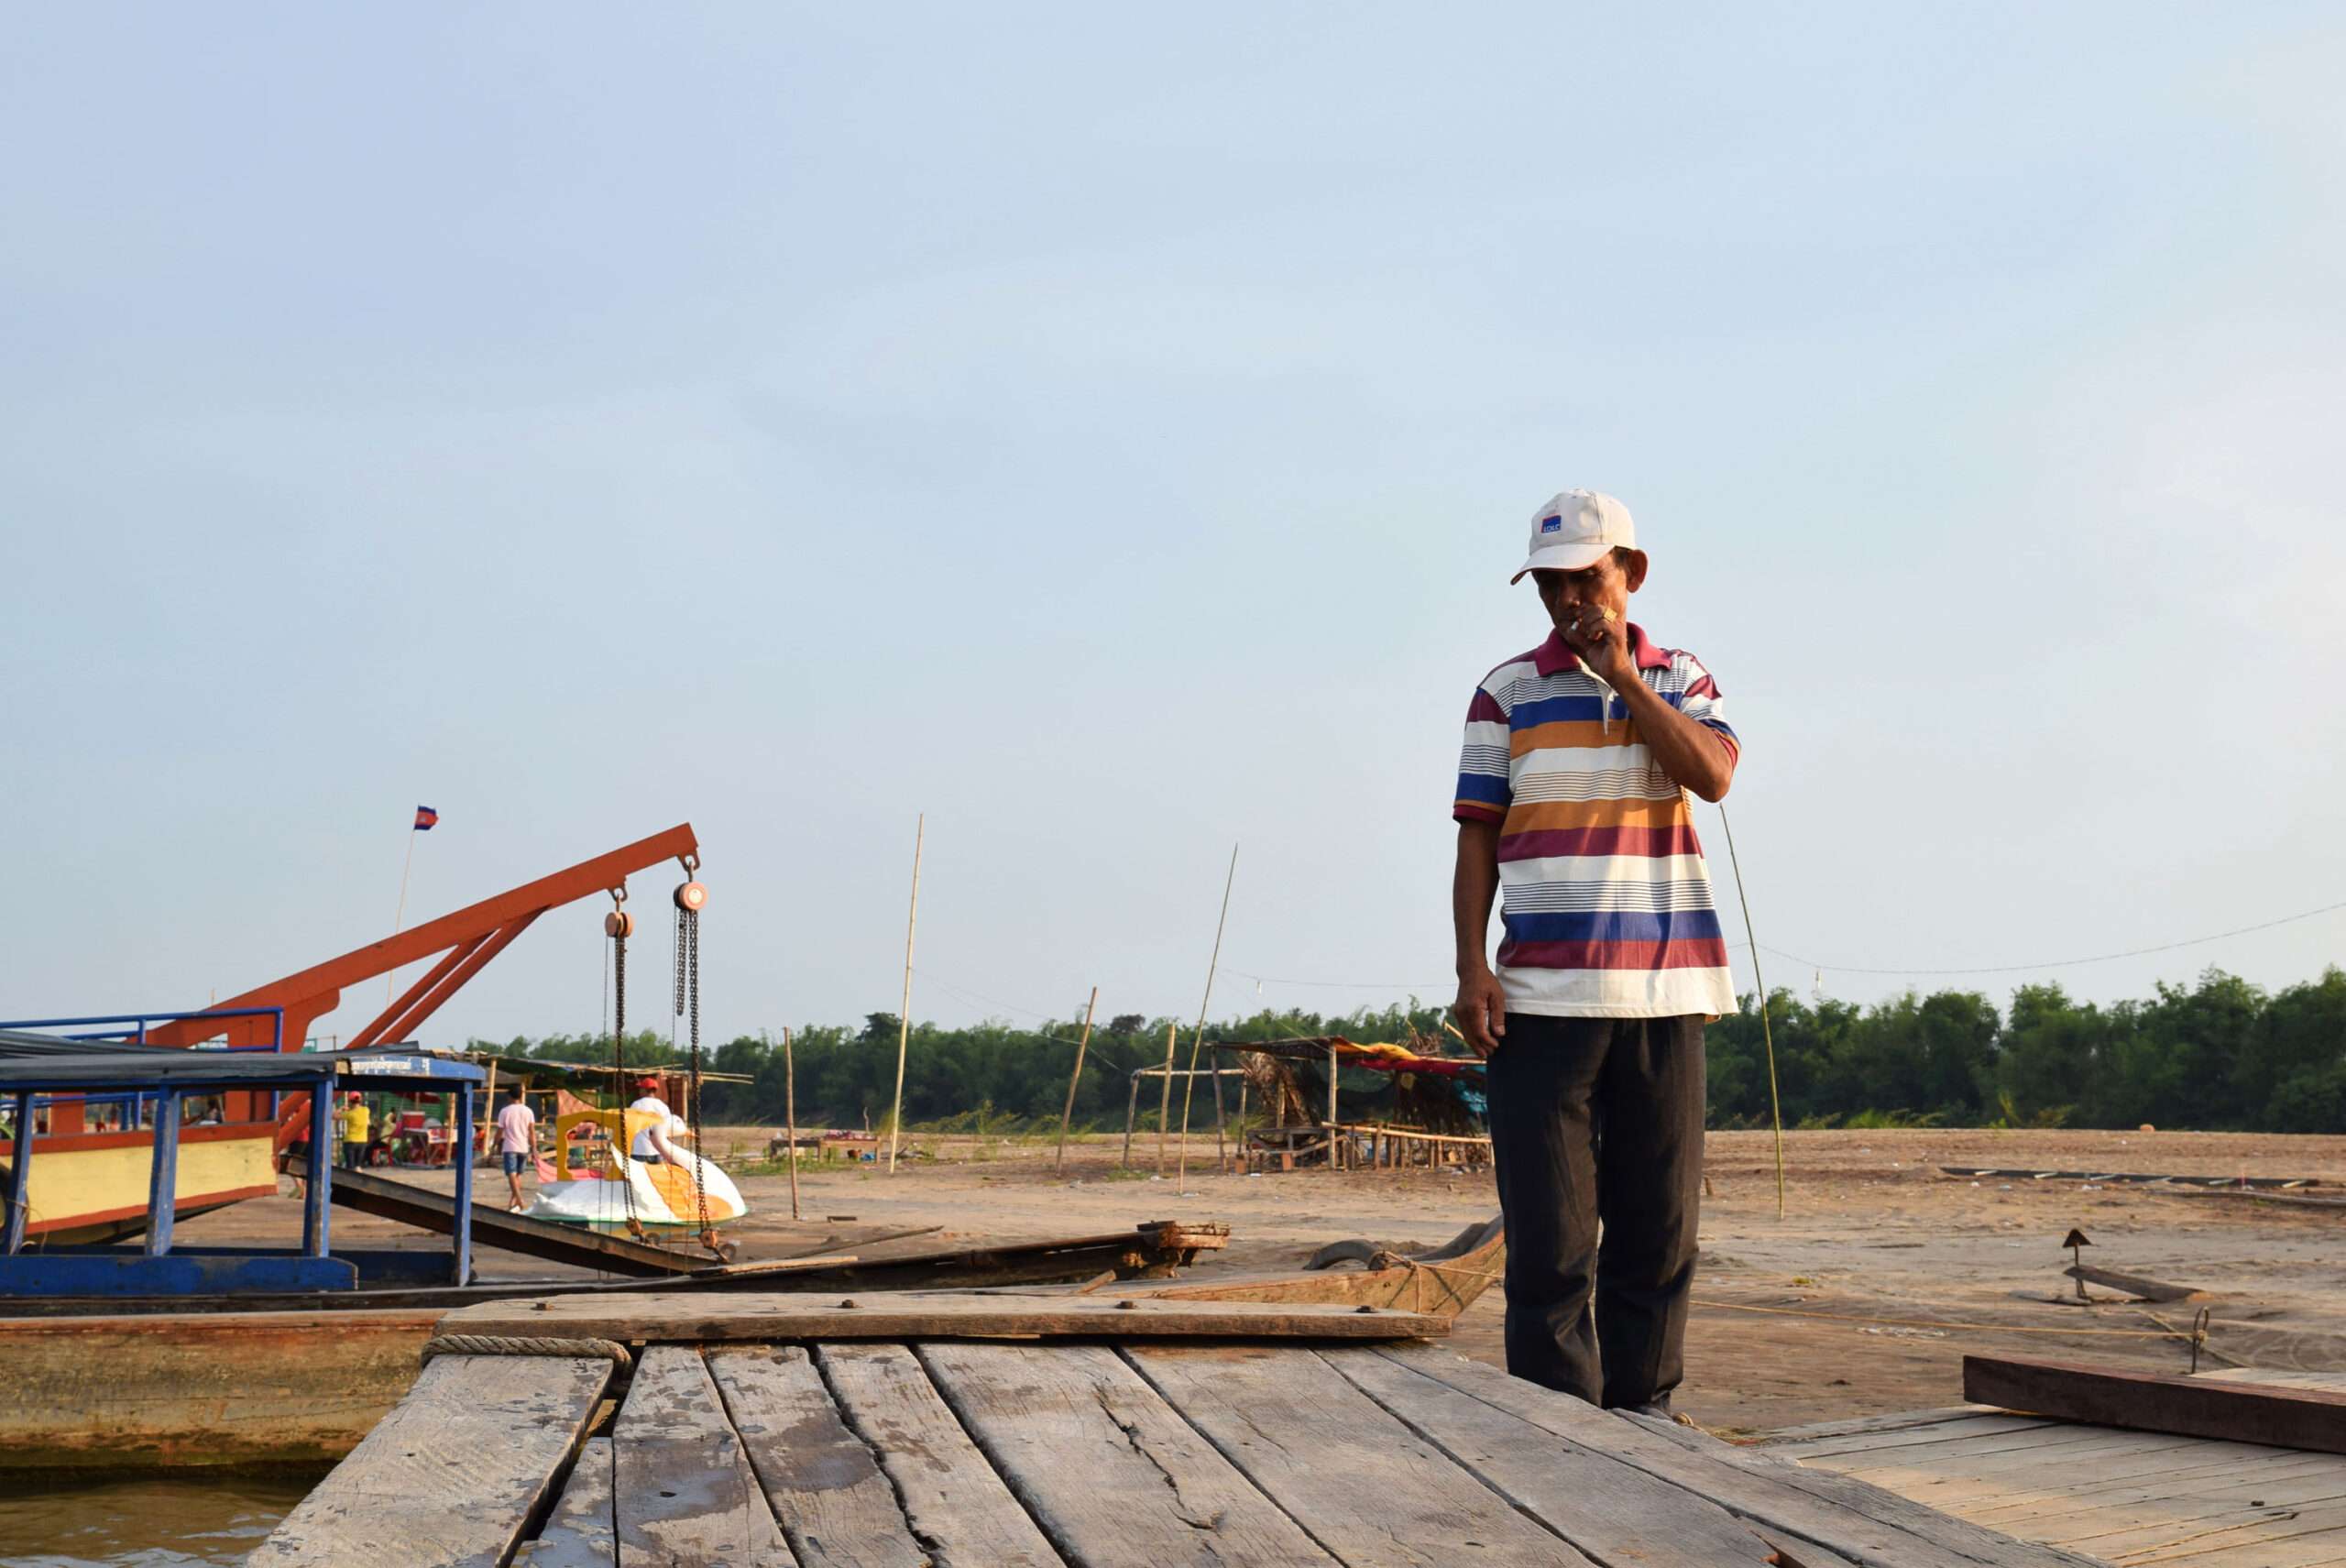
{"x":1473,"y":888}
{"x":1693,"y":754}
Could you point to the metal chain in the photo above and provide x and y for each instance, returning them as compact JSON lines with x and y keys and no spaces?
{"x":622,"y":1151}
{"x":688,"y":995}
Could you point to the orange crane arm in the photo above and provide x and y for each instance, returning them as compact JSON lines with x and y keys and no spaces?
{"x":469,"y":938}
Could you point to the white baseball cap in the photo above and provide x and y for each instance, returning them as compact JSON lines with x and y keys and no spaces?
{"x":1574,"y":529}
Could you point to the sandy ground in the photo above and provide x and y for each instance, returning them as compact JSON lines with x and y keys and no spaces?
{"x":1872,"y":1230}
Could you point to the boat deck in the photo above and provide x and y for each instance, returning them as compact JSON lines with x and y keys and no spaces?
{"x":909,"y":1429}
{"x":2127,"y":1497}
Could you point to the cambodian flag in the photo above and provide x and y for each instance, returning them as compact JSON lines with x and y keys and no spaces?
{"x":425,"y":817}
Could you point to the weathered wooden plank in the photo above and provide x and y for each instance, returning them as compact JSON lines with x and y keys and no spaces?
{"x":908,"y":1314}
{"x":957,"y":1508}
{"x":454,"y":1473}
{"x":579,"y":1533}
{"x":1112,"y":1473}
{"x":684,"y":1493}
{"x":1861,"y":1523}
{"x":1366,"y":1487}
{"x":826,"y":1491}
{"x":1860,"y":1499}
{"x":1923,"y":1420}
{"x":1875,"y":1433}
{"x":1612,"y":1511}
{"x":2276,"y":1415}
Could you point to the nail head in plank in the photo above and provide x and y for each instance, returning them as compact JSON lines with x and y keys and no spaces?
{"x":1112,"y":1473}
{"x":952,"y":1499}
{"x":455,"y":1472}
{"x":577,"y":1534}
{"x":711,"y":1318}
{"x":1863,"y":1523}
{"x":826,"y":1491}
{"x":684,"y":1493}
{"x":1365,"y":1486}
{"x":2277,"y":1416}
{"x":1610,"y":1510}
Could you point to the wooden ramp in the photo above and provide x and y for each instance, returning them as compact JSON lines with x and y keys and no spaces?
{"x":2126,"y":1498}
{"x":954,"y":1431}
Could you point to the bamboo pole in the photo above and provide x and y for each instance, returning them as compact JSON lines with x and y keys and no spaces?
{"x":1331,"y":1108}
{"x":905,"y":1011}
{"x":1190,"y":1084}
{"x":1059,"y":1166}
{"x":1165,"y":1107}
{"x":790,"y":1116}
{"x":1775,"y":1106}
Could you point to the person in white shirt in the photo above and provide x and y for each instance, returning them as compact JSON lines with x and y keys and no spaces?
{"x":652,"y":1146}
{"x":517,"y":1140}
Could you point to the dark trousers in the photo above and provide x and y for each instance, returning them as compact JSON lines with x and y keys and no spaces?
{"x":1598,"y":1122}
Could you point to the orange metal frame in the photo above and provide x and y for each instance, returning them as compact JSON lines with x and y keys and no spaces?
{"x":469,"y":938}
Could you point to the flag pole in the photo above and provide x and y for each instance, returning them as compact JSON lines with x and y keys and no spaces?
{"x":400,"y":919}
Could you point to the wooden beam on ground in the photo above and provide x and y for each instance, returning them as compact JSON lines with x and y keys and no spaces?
{"x":2135,"y":1284}
{"x":826,"y":1491}
{"x":455,"y":1475}
{"x":714,"y":1318}
{"x":953,"y":1501}
{"x":1610,"y":1510}
{"x":682,"y":1491}
{"x":2276,"y":1415}
{"x":1110,"y":1472}
{"x":1364,"y":1485}
{"x":1860,"y":1523}
{"x":578,"y":1532}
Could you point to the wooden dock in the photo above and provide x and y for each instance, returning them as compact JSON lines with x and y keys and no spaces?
{"x":2125,"y":1497}
{"x":935,"y":1431}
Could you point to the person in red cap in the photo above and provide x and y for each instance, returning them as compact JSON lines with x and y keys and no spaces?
{"x":652,"y":1146}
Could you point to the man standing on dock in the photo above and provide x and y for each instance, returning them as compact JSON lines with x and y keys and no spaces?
{"x":1571,"y":805}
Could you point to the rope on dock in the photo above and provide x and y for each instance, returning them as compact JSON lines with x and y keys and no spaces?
{"x":493,"y":1345}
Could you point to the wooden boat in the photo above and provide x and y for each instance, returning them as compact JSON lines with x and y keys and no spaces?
{"x":921,"y":1429}
{"x":1443,"y":1282}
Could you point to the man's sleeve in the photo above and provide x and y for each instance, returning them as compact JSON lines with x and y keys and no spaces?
{"x":1699,"y":700}
{"x":1484,"y":794}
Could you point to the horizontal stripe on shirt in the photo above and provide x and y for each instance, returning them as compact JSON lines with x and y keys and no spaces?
{"x":1614,"y":954}
{"x":1559,"y":842}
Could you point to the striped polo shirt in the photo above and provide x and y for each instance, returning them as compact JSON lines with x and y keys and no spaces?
{"x":1602,"y":892}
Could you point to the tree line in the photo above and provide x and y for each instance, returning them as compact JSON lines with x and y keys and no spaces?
{"x":1006,"y":1078}
{"x":2219,"y":1055}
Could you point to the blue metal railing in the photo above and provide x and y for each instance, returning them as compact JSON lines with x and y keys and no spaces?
{"x":137,"y":1033}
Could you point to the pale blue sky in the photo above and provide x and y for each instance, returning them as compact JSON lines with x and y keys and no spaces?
{"x":1111,"y":433}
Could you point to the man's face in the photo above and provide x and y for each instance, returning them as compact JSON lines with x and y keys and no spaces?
{"x":1604,"y":585}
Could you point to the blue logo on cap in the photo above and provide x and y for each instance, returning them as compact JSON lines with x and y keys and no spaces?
{"x":1551,"y":525}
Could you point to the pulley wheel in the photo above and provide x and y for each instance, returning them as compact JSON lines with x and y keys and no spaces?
{"x":691,"y":896}
{"x":619,"y":923}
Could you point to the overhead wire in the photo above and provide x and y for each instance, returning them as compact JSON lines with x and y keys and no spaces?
{"x":1852,"y":968}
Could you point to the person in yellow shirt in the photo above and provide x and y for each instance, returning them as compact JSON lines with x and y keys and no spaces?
{"x":351,"y":1124}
